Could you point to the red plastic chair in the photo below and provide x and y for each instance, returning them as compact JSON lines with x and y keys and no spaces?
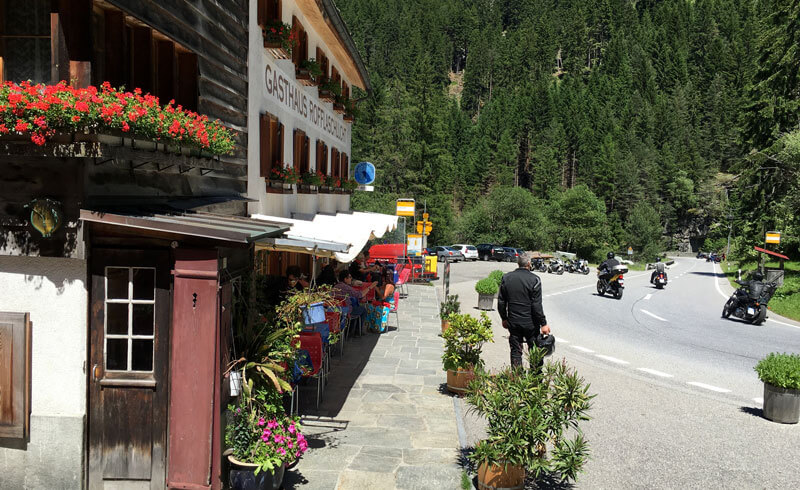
{"x":312,"y":342}
{"x":402,"y":279}
{"x":334,"y":321}
{"x":395,"y":306}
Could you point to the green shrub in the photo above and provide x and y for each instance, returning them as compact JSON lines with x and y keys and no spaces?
{"x":781,"y":370}
{"x":496,"y":276}
{"x":451,"y":305}
{"x":533,"y":417}
{"x":464,"y":339}
{"x":487,"y":285}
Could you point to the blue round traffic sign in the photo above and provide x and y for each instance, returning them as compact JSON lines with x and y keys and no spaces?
{"x":364,"y":173}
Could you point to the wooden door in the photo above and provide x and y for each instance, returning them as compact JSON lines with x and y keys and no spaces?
{"x":128,"y":377}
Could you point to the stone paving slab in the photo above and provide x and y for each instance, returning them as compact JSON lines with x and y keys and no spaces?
{"x":384,"y":421}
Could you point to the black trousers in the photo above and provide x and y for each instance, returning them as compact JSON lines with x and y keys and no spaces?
{"x":516,"y":337}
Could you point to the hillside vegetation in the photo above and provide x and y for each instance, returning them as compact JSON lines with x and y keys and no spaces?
{"x":585,"y":125}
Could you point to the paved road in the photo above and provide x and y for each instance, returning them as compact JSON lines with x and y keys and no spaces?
{"x":678,"y":401}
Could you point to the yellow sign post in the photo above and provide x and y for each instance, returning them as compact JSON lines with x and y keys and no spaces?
{"x":405,"y":207}
{"x":773,"y":237}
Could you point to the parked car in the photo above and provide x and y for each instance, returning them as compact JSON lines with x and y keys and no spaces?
{"x":449,"y":253}
{"x":429,"y":251}
{"x":470,"y":252}
{"x":511,"y":254}
{"x":487,"y":251}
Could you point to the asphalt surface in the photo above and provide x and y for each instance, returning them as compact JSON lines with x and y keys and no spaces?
{"x":678,"y":403}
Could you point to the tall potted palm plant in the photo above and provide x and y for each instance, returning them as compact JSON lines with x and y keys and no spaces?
{"x":463,"y":342}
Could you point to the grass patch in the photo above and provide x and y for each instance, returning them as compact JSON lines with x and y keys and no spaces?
{"x":786,"y":301}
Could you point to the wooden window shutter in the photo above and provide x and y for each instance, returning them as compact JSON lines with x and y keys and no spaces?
{"x":344,"y":172}
{"x":262,"y":14}
{"x":335,"y":162}
{"x":299,"y":152}
{"x":325,"y":158}
{"x":15,"y":375}
{"x":318,"y":157}
{"x":306,"y":154}
{"x":304,"y":50}
{"x":265,"y":145}
{"x":296,"y":35}
{"x":276,"y":144}
{"x":280,"y":154}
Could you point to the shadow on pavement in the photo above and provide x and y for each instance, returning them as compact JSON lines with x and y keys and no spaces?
{"x":755,"y":412}
{"x":549,"y":481}
{"x":711,"y":274}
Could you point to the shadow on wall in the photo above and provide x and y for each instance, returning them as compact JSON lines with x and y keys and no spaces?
{"x":59,"y":272}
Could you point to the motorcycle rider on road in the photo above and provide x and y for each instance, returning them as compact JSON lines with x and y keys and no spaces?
{"x":607,"y":266}
{"x":661,"y":268}
{"x":753,"y":288}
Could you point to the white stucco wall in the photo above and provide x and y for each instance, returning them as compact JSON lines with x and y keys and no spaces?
{"x":311,"y":115}
{"x":53,"y":291}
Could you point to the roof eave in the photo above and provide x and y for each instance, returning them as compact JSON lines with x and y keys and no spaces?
{"x":332,"y":12}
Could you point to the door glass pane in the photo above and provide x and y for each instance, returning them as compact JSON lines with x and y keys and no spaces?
{"x":117,"y":354}
{"x":117,"y":283}
{"x":144,"y":283}
{"x":142,"y":359}
{"x":117,"y":318}
{"x":143,"y":319}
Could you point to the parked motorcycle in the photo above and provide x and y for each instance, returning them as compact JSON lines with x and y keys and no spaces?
{"x":539,"y":265}
{"x":582,"y":267}
{"x":750,"y":305}
{"x":614,"y":284}
{"x":660,"y":280}
{"x":556,"y":267}
{"x":569,"y":266}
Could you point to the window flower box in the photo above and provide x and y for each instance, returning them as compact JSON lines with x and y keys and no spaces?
{"x":109,"y":116}
{"x":309,"y":73}
{"x":278,"y":40}
{"x":338,"y":107}
{"x":330,"y":90}
{"x":278,"y":187}
{"x":348,"y":117}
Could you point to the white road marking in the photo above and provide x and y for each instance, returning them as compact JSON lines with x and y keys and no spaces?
{"x":716,"y":282}
{"x":782,"y":323}
{"x":612,"y":359}
{"x":561,"y":339}
{"x":708,"y":387}
{"x":655,"y":373}
{"x":648,"y":296}
{"x":582,"y":349}
{"x":759,"y":400}
{"x":654,"y":315}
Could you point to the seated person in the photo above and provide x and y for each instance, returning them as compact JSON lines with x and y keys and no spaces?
{"x":344,"y":289}
{"x":359,"y":268}
{"x":295,"y":279}
{"x":378,"y":310}
{"x":327,"y":276}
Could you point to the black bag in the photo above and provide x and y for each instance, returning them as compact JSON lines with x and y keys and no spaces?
{"x":546,"y":342}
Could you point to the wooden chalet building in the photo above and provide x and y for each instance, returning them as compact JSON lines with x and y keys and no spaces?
{"x":113,"y":327}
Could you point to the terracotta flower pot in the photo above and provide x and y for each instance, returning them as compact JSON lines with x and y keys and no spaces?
{"x":445,"y":325}
{"x":497,"y":476}
{"x":457,"y":381}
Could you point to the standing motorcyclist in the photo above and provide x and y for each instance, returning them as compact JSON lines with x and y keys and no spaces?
{"x":661,"y":268}
{"x":607,"y":266}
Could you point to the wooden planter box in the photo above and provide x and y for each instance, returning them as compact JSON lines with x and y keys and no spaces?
{"x":326,"y":95}
{"x":304,"y":77}
{"x":349,"y":118}
{"x":278,"y":187}
{"x":276,"y":49}
{"x":339,"y":108}
{"x":325,"y":189}
{"x":306,"y":189}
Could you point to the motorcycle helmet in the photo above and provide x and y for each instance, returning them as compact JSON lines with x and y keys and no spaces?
{"x":757,"y":276}
{"x":658,"y":259}
{"x":610,"y":255}
{"x":546,"y":342}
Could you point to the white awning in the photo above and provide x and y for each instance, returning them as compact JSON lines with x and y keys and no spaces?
{"x":341,"y":236}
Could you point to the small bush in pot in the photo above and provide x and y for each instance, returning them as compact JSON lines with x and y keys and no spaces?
{"x":781,"y":376}
{"x":496,"y":276}
{"x":487,"y":288}
{"x":451,"y":305}
{"x":463,"y":342}
{"x":531,"y":413}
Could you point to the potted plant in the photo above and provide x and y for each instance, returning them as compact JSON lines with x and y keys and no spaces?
{"x":309,"y":72}
{"x":333,"y":182}
{"x":261,"y":447}
{"x":447,"y":308}
{"x":350,"y":185}
{"x":339,"y":104}
{"x":462,"y":348}
{"x":551,"y":401}
{"x":497,"y":276}
{"x":486,"y":289}
{"x":781,"y":376}
{"x":329,"y":90}
{"x":286,"y":175}
{"x":278,"y":39}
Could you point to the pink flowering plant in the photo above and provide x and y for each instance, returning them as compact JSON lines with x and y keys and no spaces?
{"x":269,"y":442}
{"x":41,"y":111}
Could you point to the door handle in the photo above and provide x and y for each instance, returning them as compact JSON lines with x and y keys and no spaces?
{"x":95,"y":369}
